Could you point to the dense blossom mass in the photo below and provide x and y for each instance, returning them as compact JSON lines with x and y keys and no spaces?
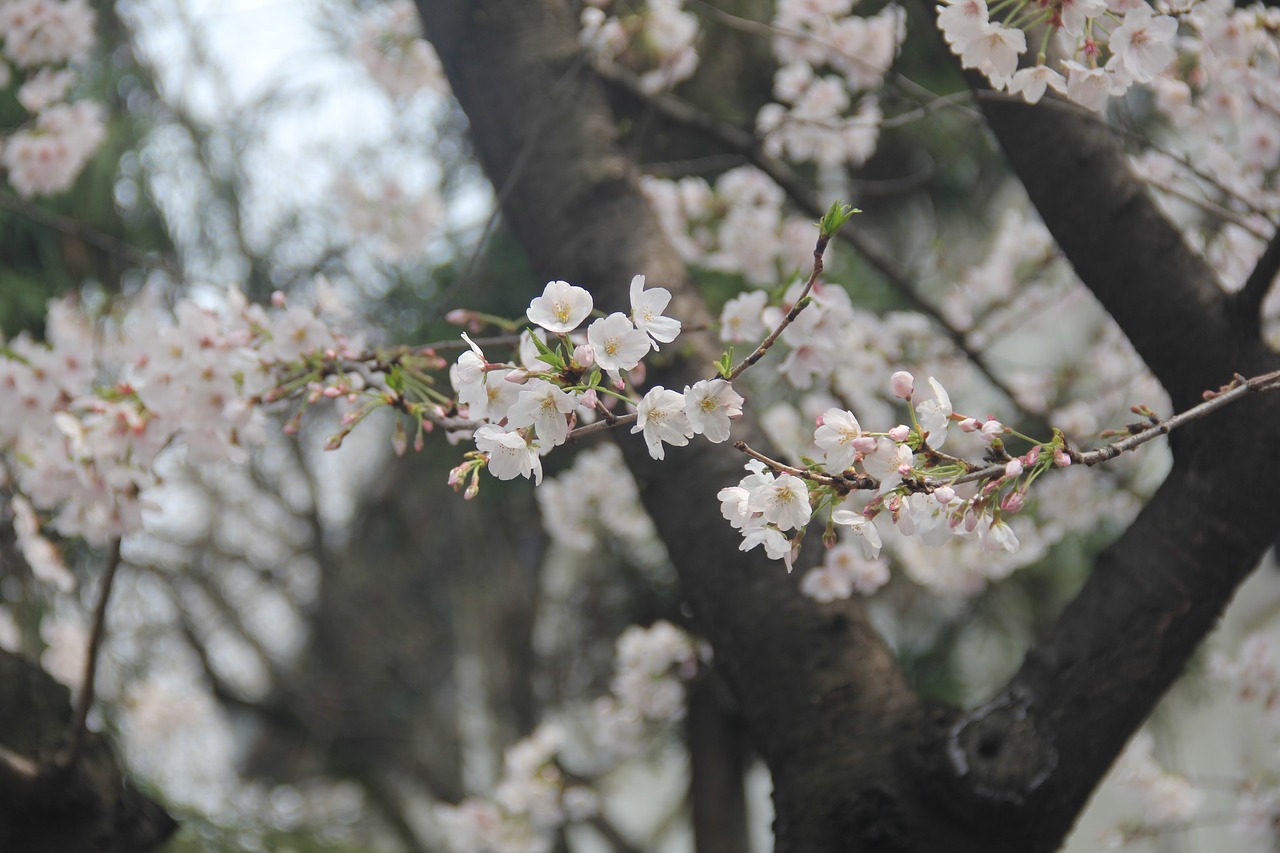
{"x":890,"y":462}
{"x":47,"y":41}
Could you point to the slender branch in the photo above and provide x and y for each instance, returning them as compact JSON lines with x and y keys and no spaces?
{"x":1238,"y":388}
{"x":792,"y":314}
{"x":79,"y":720}
{"x":1256,"y":287}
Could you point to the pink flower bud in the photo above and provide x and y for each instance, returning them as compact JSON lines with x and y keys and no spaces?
{"x":291,"y":428}
{"x":900,"y":433}
{"x":457,"y":475}
{"x":991,"y":430}
{"x":458,"y":317}
{"x":1030,"y":457}
{"x":1013,"y":468}
{"x":278,"y":299}
{"x":1060,"y":458}
{"x":334,"y":442}
{"x":584,"y":355}
{"x":589,"y":398}
{"x":517,"y":377}
{"x":902,"y":384}
{"x":350,"y":418}
{"x":1012,"y":502}
{"x":944,"y":495}
{"x":864,"y":444}
{"x":332,"y":391}
{"x":969,"y":425}
{"x":619,"y":385}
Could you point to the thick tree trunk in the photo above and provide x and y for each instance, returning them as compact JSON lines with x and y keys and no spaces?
{"x":858,"y":762}
{"x":86,"y":808}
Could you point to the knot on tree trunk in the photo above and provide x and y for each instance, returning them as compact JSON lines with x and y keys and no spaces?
{"x":999,"y":751}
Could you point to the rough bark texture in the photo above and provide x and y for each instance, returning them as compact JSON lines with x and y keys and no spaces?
{"x":858,"y":762}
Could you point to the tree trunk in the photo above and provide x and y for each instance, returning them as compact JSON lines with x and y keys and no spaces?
{"x":859,"y":762}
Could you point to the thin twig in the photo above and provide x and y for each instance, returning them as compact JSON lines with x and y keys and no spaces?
{"x":799,"y":306}
{"x":1239,"y":387}
{"x":80,"y":718}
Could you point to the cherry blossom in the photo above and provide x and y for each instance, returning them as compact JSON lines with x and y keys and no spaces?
{"x":646,"y":312}
{"x":662,"y":418}
{"x":618,"y":345}
{"x":710,"y":405}
{"x":510,"y":453}
{"x":561,"y":308}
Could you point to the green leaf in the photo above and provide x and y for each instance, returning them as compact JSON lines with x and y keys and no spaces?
{"x":835,"y":218}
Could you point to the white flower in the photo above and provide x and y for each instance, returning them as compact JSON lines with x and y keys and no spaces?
{"x":1076,"y":12}
{"x":543,"y":406}
{"x":784,"y":502}
{"x":824,"y":585}
{"x":962,"y":21}
{"x":863,"y":528}
{"x":887,"y":463}
{"x":617,"y":343}
{"x":864,"y":574}
{"x":1031,"y":83}
{"x":710,"y":404}
{"x":646,"y":312}
{"x":741,"y":318}
{"x":995,"y":50}
{"x":1142,"y":46}
{"x":510,"y":454}
{"x":836,"y":436}
{"x":1089,"y":87}
{"x":776,"y":545}
{"x":561,"y":308}
{"x":935,"y":414}
{"x":999,"y":535}
{"x":733,"y":506}
{"x":662,"y":418}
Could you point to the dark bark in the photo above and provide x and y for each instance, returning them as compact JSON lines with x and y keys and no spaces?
{"x":89,"y":807}
{"x":858,"y":762}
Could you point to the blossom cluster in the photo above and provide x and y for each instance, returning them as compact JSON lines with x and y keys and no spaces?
{"x":739,"y":225}
{"x":656,"y":40}
{"x":537,"y":796}
{"x":521,"y":412}
{"x":47,"y":41}
{"x":1112,"y":45}
{"x":811,"y":119}
{"x":93,"y":407}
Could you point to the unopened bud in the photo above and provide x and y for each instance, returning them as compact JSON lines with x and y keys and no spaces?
{"x":969,"y":425}
{"x":278,"y":299}
{"x":589,"y":398}
{"x":584,"y":355}
{"x":902,"y":384}
{"x":1060,"y":458}
{"x":864,"y":444}
{"x":1012,"y":502}
{"x":1013,"y":468}
{"x":518,"y":376}
{"x":458,"y":317}
{"x":944,"y":495}
{"x":900,"y":433}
